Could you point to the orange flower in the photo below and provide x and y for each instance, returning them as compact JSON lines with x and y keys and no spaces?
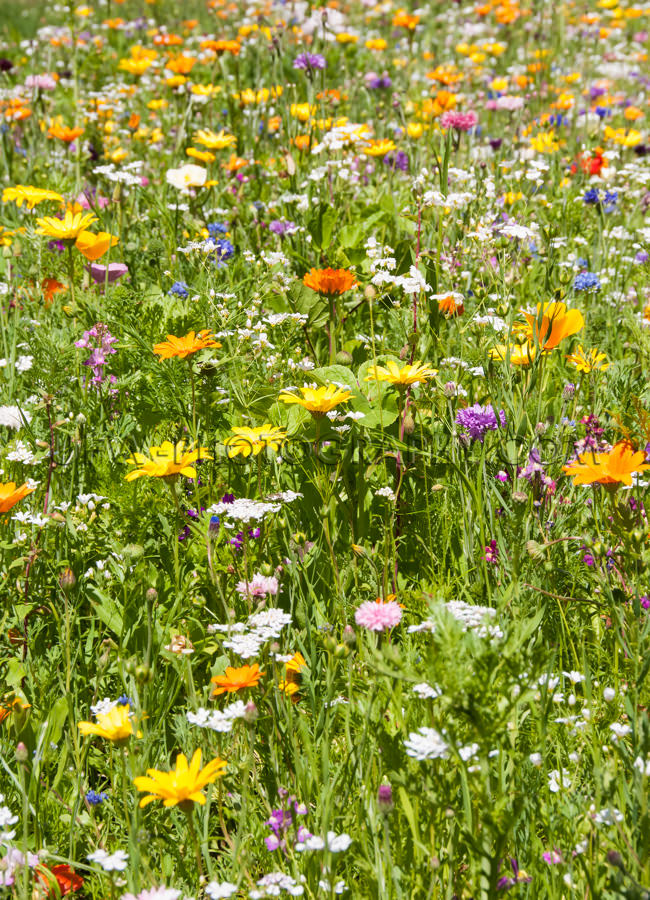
{"x":65,"y":878}
{"x":236,"y":679}
{"x":63,"y":133}
{"x":551,"y":323}
{"x":10,"y":495}
{"x":222,"y":46}
{"x":290,"y":685}
{"x":92,"y":246}
{"x":329,"y":281}
{"x":451,"y":305}
{"x":615,"y":467}
{"x":402,"y":19}
{"x":182,"y":347}
{"x":167,"y":40}
{"x":50,"y":287}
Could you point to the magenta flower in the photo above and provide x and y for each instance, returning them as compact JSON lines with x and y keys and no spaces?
{"x":377,"y":615}
{"x":259,"y":586}
{"x":459,"y":120}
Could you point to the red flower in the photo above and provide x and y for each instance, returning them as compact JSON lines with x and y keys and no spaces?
{"x":67,"y":880}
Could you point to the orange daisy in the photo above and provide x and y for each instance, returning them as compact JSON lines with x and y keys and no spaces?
{"x":182,"y":347}
{"x":329,"y":281}
{"x":236,"y":679}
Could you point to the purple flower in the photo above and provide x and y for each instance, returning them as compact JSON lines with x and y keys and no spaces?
{"x":115,"y":270}
{"x":99,"y":341}
{"x":491,"y":554}
{"x":282,"y":227}
{"x":397,"y":161}
{"x":378,"y":82}
{"x":309,"y":62}
{"x":477,"y":419}
{"x":518,"y":877}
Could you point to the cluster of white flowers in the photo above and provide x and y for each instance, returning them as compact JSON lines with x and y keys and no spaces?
{"x":471,"y":618}
{"x":220,"y":890}
{"x":14,"y":417}
{"x":217,"y":719}
{"x":335,"y":843}
{"x":243,"y":510}
{"x":426,"y":743}
{"x":273,"y":884}
{"x":247,"y":638}
{"x":110,"y":862}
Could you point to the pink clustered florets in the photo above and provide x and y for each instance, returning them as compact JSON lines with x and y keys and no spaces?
{"x":459,"y":120}
{"x":378,"y":616}
{"x":259,"y":586}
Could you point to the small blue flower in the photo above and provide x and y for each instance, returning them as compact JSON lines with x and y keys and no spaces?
{"x":611,"y":200}
{"x":591,"y":197}
{"x":224,"y":251}
{"x":125,"y":701}
{"x":586,"y":281}
{"x":179,"y":289}
{"x":94,"y":798}
{"x":217,"y":228}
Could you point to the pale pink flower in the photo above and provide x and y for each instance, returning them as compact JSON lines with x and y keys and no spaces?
{"x":259,"y":586}
{"x":375,"y":615}
{"x":44,"y":82}
{"x":459,"y":120}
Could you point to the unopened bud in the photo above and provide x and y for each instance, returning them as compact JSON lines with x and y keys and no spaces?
{"x":385,"y":800}
{"x":343,"y":358}
{"x":22,"y":754}
{"x":250,"y":712}
{"x":349,"y":636}
{"x":369,"y":292}
{"x":408,"y":424}
{"x":151,"y":595}
{"x":569,"y":391}
{"x":67,"y":580}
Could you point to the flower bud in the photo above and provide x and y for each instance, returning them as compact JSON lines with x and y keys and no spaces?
{"x":67,"y":580}
{"x":151,"y":595}
{"x":349,"y":636}
{"x":22,"y":754}
{"x":250,"y":712}
{"x":343,"y":358}
{"x":385,"y":800}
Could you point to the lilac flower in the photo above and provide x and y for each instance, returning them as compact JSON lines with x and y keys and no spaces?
{"x":518,"y":877}
{"x":378,"y":82}
{"x":179,"y":289}
{"x":115,"y":270}
{"x":310,"y":62}
{"x":397,"y":161}
{"x":477,"y":420}
{"x":491,"y":554}
{"x":282,"y":227}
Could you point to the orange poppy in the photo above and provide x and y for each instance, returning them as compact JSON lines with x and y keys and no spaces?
{"x":11,"y":704}
{"x":182,"y":347}
{"x":614,"y":467}
{"x":236,"y":679}
{"x":329,"y":281}
{"x":51,"y":287}
{"x":63,"y":133}
{"x":10,"y":495}
{"x":66,"y":878}
{"x":167,"y":40}
{"x":551,"y":323}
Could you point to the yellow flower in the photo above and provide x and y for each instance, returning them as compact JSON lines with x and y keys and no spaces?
{"x":409,"y":374}
{"x":253,"y":440}
{"x":215,"y":140}
{"x":545,"y":142}
{"x":95,"y":245}
{"x":380,"y":148}
{"x":27,"y":193}
{"x":115,"y":725}
{"x":167,"y":461}
{"x":183,"y":785}
{"x":614,"y":467}
{"x":290,"y":684}
{"x":588,"y":361}
{"x":202,"y":155}
{"x":67,"y":229}
{"x":318,"y":400}
{"x":518,"y":354}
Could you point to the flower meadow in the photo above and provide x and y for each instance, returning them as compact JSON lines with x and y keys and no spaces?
{"x":324,"y":447}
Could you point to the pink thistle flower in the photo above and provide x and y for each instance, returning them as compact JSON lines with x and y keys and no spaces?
{"x":378,"y":615}
{"x":259,"y":586}
{"x":459,"y":120}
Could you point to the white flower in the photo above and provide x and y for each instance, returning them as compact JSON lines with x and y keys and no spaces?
{"x":557,"y":781}
{"x":216,"y":719}
{"x":536,"y":759}
{"x":220,"y":890}
{"x":244,"y":645}
{"x":24,"y":363}
{"x":154,"y":893}
{"x":620,"y":730}
{"x":643,"y":765}
{"x":243,"y":510}
{"x":14,"y":417}
{"x":103,"y":707}
{"x":336,"y":843}
{"x":110,"y":862}
{"x":609,"y":694}
{"x":426,"y":743}
{"x":187,"y":176}
{"x":427,"y":691}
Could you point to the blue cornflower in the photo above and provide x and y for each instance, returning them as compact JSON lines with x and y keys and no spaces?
{"x":94,"y":798}
{"x":179,"y":289}
{"x":586,"y":281}
{"x":611,"y":199}
{"x":591,"y":196}
{"x":125,"y":701}
{"x":216,"y":228}
{"x":224,"y":251}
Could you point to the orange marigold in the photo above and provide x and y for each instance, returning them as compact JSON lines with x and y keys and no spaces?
{"x":329,"y":281}
{"x":182,"y":347}
{"x":236,"y":680}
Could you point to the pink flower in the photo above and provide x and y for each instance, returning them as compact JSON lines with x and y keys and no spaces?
{"x":260,"y":586}
{"x":377,"y":615}
{"x":44,"y":82}
{"x":459,"y":120}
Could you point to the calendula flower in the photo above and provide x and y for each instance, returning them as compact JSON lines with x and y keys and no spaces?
{"x":66,"y":229}
{"x":614,"y":467}
{"x":183,"y":785}
{"x":329,"y":282}
{"x":114,"y":725}
{"x":518,"y":354}
{"x":236,"y":680}
{"x":95,"y":245}
{"x":551,"y":323}
{"x":409,"y":374}
{"x":64,"y":133}
{"x":32,"y":196}
{"x":166,"y":461}
{"x":215,"y":140}
{"x":588,"y":361}
{"x":10,"y":495}
{"x":318,"y":400}
{"x":253,"y":440}
{"x":182,"y":347}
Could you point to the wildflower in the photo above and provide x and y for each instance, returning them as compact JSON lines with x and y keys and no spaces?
{"x":590,"y":361}
{"x":32,"y":196}
{"x":586,"y":281}
{"x":99,"y":340}
{"x":236,"y":680}
{"x":186,"y":177}
{"x":183,"y":785}
{"x":518,"y":877}
{"x":517,"y":354}
{"x":66,"y":879}
{"x":179,"y":289}
{"x":10,"y":495}
{"x":477,"y":420}
{"x":214,"y":140}
{"x":310,"y":62}
{"x":379,"y":148}
{"x":220,"y":890}
{"x":378,"y":615}
{"x":182,"y":347}
{"x":260,"y":586}
{"x":95,"y":245}
{"x":551,"y":323}
{"x":110,"y":862}
{"x":451,"y":305}
{"x":407,"y":375}
{"x":154,"y":893}
{"x":66,"y":229}
{"x":94,"y":798}
{"x":249,"y":441}
{"x":101,"y":274}
{"x":318,"y":400}
{"x":330,"y":282}
{"x":492,"y":553}
{"x":458,"y":120}
{"x":114,"y":725}
{"x":614,"y":467}
{"x":426,"y":743}
{"x":290,"y":685}
{"x":167,"y":461}
{"x":64,"y":133}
